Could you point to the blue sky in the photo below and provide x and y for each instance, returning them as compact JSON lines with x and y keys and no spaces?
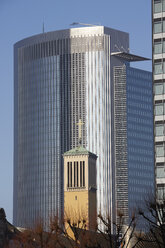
{"x":20,"y":19}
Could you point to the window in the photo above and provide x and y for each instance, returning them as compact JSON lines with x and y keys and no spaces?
{"x":74,"y":174}
{"x":159,"y":129}
{"x":161,"y":191}
{"x":163,"y":25}
{"x":159,"y":109}
{"x":157,"y":27}
{"x":160,"y":172}
{"x":157,"y":7}
{"x":159,"y":150}
{"x":163,"y":67}
{"x":158,"y":89}
{"x":163,"y":5}
{"x":158,"y":68}
{"x":76,"y":197}
{"x":80,"y":173}
{"x":68,"y":173}
{"x":157,"y":47}
{"x":83,"y":173}
{"x":163,"y":46}
{"x":77,"y":167}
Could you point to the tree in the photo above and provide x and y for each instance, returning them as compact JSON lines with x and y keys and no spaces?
{"x":103,"y":237}
{"x":58,"y":236}
{"x":154,"y":216}
{"x":37,"y":237}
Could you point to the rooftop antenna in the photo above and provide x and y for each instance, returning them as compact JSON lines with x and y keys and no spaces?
{"x":83,"y":24}
{"x":43,"y":27}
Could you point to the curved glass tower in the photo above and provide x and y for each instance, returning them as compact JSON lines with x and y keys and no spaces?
{"x":59,"y":78}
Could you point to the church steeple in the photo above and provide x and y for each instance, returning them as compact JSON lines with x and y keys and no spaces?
{"x":80,"y":185}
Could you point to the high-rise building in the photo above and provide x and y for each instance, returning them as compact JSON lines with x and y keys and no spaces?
{"x":158,"y":41}
{"x":81,"y":73}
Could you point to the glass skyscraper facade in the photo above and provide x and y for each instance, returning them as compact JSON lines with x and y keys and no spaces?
{"x":158,"y":41}
{"x":59,"y":78}
{"x":134,"y":146}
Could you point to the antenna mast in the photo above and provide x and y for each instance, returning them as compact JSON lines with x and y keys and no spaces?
{"x":43,"y":27}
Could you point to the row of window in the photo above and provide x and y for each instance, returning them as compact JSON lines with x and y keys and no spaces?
{"x":138,"y":120}
{"x":144,"y":159}
{"x":134,"y":127}
{"x":139,"y":112}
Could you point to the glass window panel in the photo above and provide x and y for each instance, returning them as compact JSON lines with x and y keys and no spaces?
{"x":159,"y":130}
{"x":158,"y":89}
{"x":159,"y":109}
{"x":163,"y":67}
{"x":157,"y":7}
{"x":158,"y":47}
{"x":163,"y":88}
{"x":158,"y":69}
{"x":160,"y":172}
{"x":159,"y":151}
{"x":157,"y":27}
{"x":164,"y":46}
{"x":161,"y":192}
{"x":163,"y":25}
{"x":163,"y":5}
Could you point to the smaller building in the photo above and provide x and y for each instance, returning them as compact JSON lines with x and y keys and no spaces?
{"x":80,"y":187}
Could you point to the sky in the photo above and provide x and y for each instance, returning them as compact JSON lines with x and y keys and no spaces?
{"x":23,"y":18}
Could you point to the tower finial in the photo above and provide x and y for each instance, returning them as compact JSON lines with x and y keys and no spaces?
{"x":80,"y":124}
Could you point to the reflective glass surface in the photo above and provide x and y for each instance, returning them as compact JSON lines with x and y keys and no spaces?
{"x":159,"y":6}
{"x":159,"y":88}
{"x":160,"y":172}
{"x":140,"y":140}
{"x":60,"y":79}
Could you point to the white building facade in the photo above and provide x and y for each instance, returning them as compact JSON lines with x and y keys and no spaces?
{"x":158,"y":20}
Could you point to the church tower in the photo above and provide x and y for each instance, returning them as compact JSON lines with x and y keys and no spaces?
{"x":80,"y":186}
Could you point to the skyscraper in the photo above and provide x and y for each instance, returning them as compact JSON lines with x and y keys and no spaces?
{"x":81,"y":73}
{"x":158,"y":41}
